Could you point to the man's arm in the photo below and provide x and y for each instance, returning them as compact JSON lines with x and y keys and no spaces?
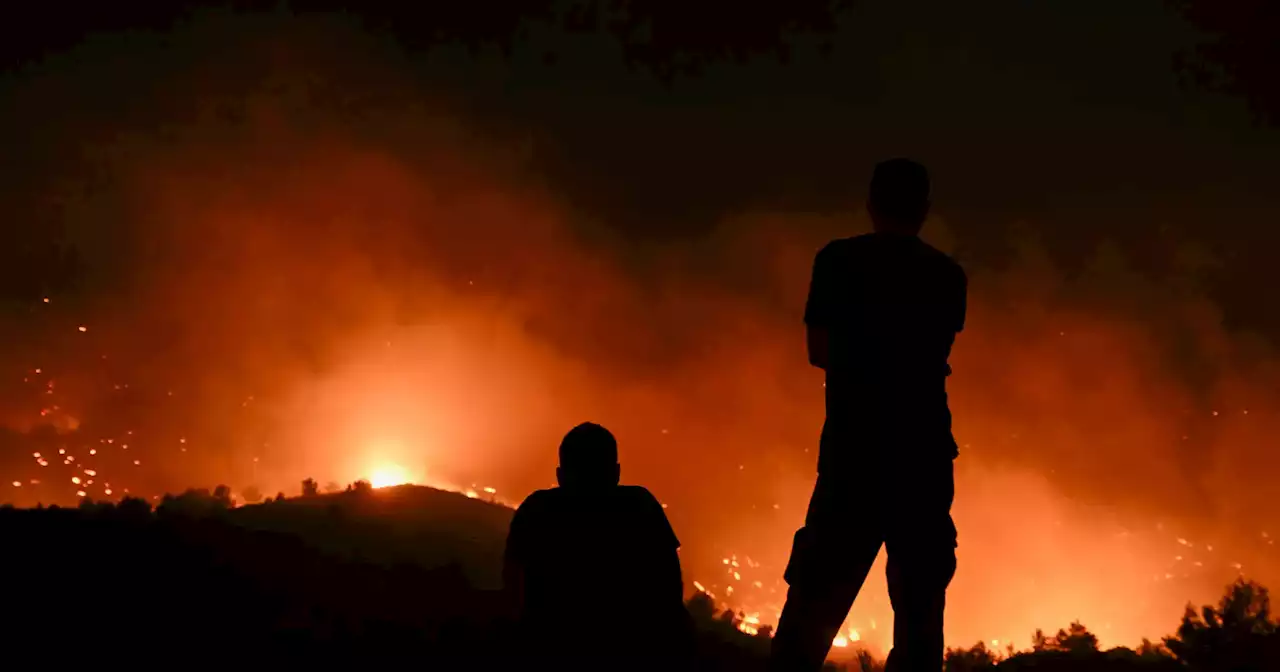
{"x":672,"y":580}
{"x":959,"y":299}
{"x":666,"y":549}
{"x":817,"y":312}
{"x":513,"y":565}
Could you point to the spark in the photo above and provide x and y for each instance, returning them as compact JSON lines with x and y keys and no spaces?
{"x":83,"y":328}
{"x":17,"y":484}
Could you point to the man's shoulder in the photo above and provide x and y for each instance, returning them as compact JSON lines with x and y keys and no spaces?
{"x":942,"y":259}
{"x":841,"y":247}
{"x":638,"y":494}
{"x":551,"y":498}
{"x":538,"y":500}
{"x":649,"y":514}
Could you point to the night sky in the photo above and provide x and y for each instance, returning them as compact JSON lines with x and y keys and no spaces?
{"x":1070,"y":117}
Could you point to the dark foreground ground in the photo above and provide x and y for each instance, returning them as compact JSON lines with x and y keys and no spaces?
{"x":404,"y":576}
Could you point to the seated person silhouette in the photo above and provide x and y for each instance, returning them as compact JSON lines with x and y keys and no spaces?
{"x":883,"y":311}
{"x":593,"y":566}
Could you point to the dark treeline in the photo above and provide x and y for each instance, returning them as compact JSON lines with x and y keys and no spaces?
{"x":201,"y":583}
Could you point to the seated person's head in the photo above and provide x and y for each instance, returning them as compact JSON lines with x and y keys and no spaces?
{"x":899,"y":197}
{"x":588,"y":458}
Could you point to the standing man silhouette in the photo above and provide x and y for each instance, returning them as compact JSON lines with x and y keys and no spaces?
{"x":882,"y":314}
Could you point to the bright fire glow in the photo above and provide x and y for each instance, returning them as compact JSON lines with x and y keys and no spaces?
{"x":387,"y":474}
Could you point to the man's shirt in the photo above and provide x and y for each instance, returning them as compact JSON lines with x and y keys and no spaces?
{"x":578,"y":554}
{"x":892,"y":306}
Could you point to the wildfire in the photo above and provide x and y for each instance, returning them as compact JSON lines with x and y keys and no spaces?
{"x":387,"y":474}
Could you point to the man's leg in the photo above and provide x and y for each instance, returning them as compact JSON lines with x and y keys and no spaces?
{"x":921,"y":545}
{"x":827,"y":569}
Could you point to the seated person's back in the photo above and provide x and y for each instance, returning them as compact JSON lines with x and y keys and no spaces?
{"x":591,"y":547}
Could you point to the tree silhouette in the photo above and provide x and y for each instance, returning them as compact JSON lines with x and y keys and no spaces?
{"x":310,"y":488}
{"x":1237,"y":634}
{"x":251,"y":495}
{"x":979,"y":657}
{"x":1241,"y":53}
{"x":701,"y":608}
{"x":868,"y":662}
{"x":222,"y":496}
{"x":1075,"y":639}
{"x":134,"y":508}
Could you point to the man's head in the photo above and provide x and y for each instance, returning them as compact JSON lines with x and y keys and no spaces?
{"x":899,"y":198}
{"x":588,"y":458}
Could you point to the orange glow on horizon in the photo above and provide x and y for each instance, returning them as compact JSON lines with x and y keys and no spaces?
{"x":387,"y":474}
